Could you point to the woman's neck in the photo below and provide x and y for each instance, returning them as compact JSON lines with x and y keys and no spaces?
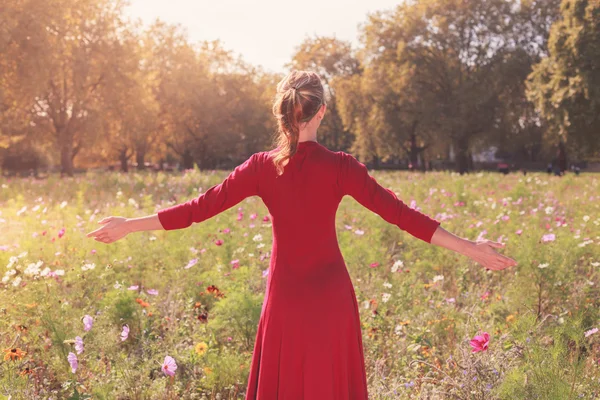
{"x":306,"y":135}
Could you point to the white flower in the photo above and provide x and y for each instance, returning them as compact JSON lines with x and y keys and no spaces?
{"x":88,"y":266}
{"x":366,"y":304}
{"x":359,"y":232}
{"x":17,"y":281}
{"x":11,"y":261}
{"x":586,"y":218}
{"x":596,"y":264}
{"x":257,"y":238}
{"x":260,"y":245}
{"x":45,"y":272}
{"x":59,"y":272}
{"x":385,"y":297}
{"x":543,"y":265}
{"x":397,"y":264}
{"x":398,"y":329}
{"x":63,"y":204}
{"x":5,"y":278}
{"x":438,"y":278}
{"x":117,"y":285}
{"x":152,"y":238}
{"x":387,"y":285}
{"x":549,"y":210}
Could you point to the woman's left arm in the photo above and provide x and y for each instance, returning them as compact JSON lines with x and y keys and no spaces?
{"x":481,"y":251}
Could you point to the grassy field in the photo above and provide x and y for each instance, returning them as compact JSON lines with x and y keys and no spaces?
{"x":195,"y":295}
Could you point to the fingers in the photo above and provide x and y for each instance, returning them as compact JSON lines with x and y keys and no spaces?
{"x":96,"y":232}
{"x":105,"y":220}
{"x":497,"y":245}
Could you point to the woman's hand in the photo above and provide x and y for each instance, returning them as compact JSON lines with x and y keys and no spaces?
{"x":114,"y":229}
{"x":483,"y":252}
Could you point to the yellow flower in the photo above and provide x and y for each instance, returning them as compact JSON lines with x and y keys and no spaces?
{"x":207,"y":370}
{"x":201,"y":348}
{"x":510,"y":318}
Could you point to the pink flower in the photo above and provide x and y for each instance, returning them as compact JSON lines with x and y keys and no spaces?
{"x":72,"y":361}
{"x":218,"y":242}
{"x":240,"y":216}
{"x":485,"y":296}
{"x":78,"y":345}
{"x":191,"y":263}
{"x":253,"y":216}
{"x":226,"y":230}
{"x":235,"y":263}
{"x":519,"y":232}
{"x":152,"y":292}
{"x":591,"y":332}
{"x":124,"y":332}
{"x":480,"y":342}
{"x":87,"y":322}
{"x":93,"y":251}
{"x":169,"y":366}
{"x":549,"y":237}
{"x":266,"y":218}
{"x":61,"y":232}
{"x":373,"y":265}
{"x":133,"y":287}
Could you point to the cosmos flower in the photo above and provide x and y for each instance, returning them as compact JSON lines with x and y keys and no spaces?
{"x":218,"y":242}
{"x":480,"y":342}
{"x":591,"y":332}
{"x":549,"y":237}
{"x":87,"y":322}
{"x":73,"y":361}
{"x":125,"y":333}
{"x":78,"y":344}
{"x":152,"y":292}
{"x":169,"y":366}
{"x":191,"y":263}
{"x":61,"y":233}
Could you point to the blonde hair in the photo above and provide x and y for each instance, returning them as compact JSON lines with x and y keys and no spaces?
{"x":300,"y":96}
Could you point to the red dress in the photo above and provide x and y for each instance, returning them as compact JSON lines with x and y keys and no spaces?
{"x":309,"y":341}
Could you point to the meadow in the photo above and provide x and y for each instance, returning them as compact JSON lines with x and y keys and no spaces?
{"x":173,"y":315}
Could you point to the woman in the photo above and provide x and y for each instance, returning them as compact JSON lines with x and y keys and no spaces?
{"x":308,"y":344}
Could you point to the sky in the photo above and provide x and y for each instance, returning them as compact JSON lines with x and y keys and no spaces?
{"x":263,"y":32}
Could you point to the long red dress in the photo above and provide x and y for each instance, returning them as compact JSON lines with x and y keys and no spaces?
{"x":309,"y":342}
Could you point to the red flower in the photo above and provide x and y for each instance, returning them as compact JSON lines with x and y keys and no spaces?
{"x":218,"y":242}
{"x":373,"y":265}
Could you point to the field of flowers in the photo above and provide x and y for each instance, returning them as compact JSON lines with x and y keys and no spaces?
{"x":173,"y":315}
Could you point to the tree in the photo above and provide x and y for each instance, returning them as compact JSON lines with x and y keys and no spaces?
{"x":565,"y":86}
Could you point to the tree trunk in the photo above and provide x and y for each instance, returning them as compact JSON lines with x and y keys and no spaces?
{"x":139,"y":159}
{"x":562,"y":156}
{"x":123,"y":158}
{"x":66,"y":154}
{"x":414,"y":152}
{"x":187,"y":161}
{"x":462,"y":155}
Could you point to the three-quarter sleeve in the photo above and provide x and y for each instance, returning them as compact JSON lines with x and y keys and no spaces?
{"x":354,"y":180}
{"x":242,"y":182}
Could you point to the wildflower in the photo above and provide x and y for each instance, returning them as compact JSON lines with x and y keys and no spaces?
{"x":591,"y":332}
{"x":201,"y":348}
{"x":549,"y":237}
{"x":169,"y":366}
{"x":78,"y":344}
{"x":253,"y":216}
{"x":133,"y":287}
{"x":88,"y":266}
{"x":519,"y":232}
{"x":72,"y":361}
{"x":207,"y":370}
{"x":125,"y":332}
{"x":240,"y":216}
{"x":359,"y":232}
{"x":385,"y":297}
{"x":374,"y":265}
{"x":387,"y":285}
{"x":61,"y":233}
{"x":257,"y":238}
{"x":13,"y":354}
{"x":542,"y":266}
{"x":480,"y":342}
{"x":265,"y":272}
{"x":235,"y":263}
{"x":87,"y":322}
{"x":152,"y":292}
{"x":142,"y":303}
{"x":266,"y":218}
{"x":397,"y":264}
{"x":218,"y":242}
{"x":191,"y":263}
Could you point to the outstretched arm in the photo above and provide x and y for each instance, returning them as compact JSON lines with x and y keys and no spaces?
{"x":355,"y":180}
{"x":241,"y":183}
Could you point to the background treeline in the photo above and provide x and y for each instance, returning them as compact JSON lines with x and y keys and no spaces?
{"x":82,"y":86}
